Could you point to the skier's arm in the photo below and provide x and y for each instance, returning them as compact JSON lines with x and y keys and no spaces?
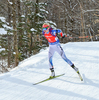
{"x":58,"y":31}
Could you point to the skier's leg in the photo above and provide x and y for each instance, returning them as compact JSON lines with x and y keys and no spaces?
{"x":62,"y":54}
{"x":50,"y":55}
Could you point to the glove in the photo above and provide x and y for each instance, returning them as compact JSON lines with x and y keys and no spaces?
{"x":63,"y":36}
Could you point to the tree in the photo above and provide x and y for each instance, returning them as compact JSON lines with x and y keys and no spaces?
{"x":24,"y":19}
{"x":15,"y":32}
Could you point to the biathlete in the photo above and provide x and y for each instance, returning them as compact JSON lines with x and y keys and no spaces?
{"x":54,"y":45}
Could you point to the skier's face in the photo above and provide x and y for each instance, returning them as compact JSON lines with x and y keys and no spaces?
{"x":46,"y":29}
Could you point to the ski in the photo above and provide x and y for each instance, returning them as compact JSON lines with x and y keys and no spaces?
{"x":49,"y":79}
{"x":80,"y":76}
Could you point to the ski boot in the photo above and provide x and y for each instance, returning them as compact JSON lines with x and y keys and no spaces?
{"x":75,"y":68}
{"x":52,"y":73}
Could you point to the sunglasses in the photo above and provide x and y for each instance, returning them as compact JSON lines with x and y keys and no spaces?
{"x":45,"y":28}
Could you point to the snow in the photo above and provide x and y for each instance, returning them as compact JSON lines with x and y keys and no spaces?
{"x":90,"y":10}
{"x":18,"y":83}
{"x":23,"y":16}
{"x":2,"y":19}
{"x":10,"y":2}
{"x":44,"y":10}
{"x":39,"y":15}
{"x":2,"y":31}
{"x":2,"y":49}
{"x":47,"y":21}
{"x":32,"y":29}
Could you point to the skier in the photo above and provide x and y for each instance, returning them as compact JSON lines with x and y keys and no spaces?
{"x":54,"y":45}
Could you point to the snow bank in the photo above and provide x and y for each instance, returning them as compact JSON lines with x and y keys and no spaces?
{"x":18,"y":84}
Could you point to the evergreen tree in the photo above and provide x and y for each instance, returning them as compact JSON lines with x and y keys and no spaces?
{"x":30,"y":37}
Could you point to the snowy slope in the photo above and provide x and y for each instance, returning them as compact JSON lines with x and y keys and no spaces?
{"x":18,"y":83}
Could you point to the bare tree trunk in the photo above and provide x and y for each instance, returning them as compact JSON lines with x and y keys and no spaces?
{"x":9,"y":51}
{"x":19,"y":31}
{"x":15,"y":32}
{"x":82,"y":20}
{"x":9,"y":41}
{"x":82,"y":24}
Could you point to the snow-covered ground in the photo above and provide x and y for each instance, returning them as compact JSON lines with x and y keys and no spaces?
{"x":18,"y":83}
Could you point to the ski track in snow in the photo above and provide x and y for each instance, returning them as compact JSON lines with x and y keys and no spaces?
{"x":18,"y":83}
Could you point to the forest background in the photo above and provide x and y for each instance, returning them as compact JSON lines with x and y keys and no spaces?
{"x":21,"y":26}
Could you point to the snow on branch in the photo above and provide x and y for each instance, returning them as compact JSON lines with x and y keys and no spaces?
{"x":2,"y":31}
{"x":2,"y":19}
{"x":74,"y":6}
{"x":90,"y":10}
{"x":10,"y":2}
{"x":3,"y":49}
{"x":44,"y":10}
{"x":33,"y":30}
